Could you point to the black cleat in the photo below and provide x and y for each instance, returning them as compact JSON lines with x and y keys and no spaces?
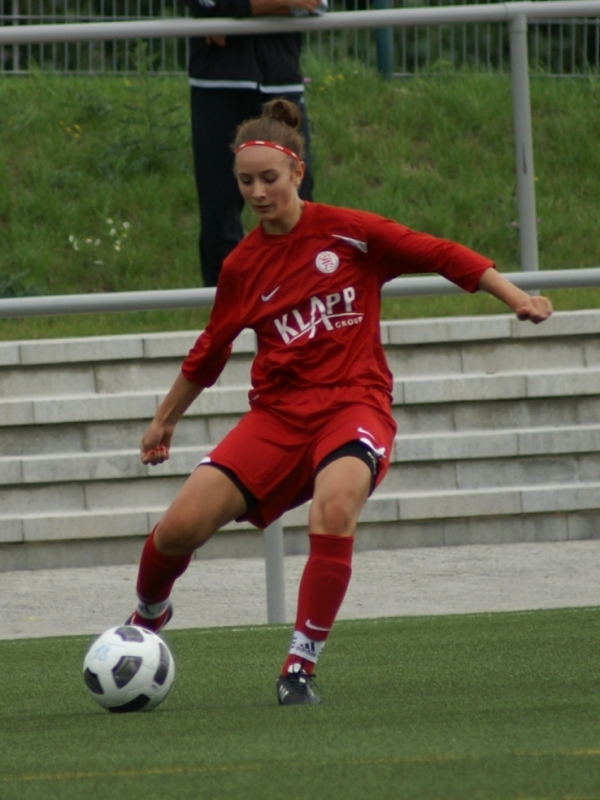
{"x":297,"y":689}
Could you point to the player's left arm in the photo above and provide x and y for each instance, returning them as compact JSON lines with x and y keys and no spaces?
{"x":285,"y":7}
{"x":527,"y":307}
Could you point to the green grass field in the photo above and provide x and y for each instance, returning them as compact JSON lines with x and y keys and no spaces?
{"x":487,"y":706}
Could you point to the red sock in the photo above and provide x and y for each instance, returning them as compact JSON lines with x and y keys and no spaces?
{"x":157,"y":572}
{"x":322,"y":589}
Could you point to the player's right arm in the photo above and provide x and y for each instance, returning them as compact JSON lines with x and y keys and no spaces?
{"x":156,"y":442}
{"x":201,"y":367}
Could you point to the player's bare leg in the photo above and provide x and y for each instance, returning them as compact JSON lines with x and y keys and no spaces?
{"x":341,"y":490}
{"x":207,"y":501}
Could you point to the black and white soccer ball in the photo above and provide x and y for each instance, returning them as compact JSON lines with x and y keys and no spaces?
{"x":129,"y":669}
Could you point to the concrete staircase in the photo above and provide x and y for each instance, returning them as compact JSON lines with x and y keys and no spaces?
{"x":499,"y":440}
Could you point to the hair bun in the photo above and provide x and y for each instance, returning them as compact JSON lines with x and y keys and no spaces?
{"x":280,"y":122}
{"x":283,"y":111}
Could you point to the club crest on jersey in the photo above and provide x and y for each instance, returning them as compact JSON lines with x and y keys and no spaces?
{"x":327,"y":262}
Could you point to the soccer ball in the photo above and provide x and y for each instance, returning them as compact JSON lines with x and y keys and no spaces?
{"x":128,"y":669}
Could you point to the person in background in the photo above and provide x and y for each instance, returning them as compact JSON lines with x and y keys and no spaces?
{"x":320,"y":427}
{"x":231,"y":78}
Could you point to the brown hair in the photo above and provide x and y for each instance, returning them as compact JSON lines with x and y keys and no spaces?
{"x":279,"y":123}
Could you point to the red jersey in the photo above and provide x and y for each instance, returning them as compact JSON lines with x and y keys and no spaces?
{"x":313,"y":297}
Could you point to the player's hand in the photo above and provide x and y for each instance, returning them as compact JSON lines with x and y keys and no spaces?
{"x":308,"y":6}
{"x":218,"y":40}
{"x":535,"y":309}
{"x":156,"y":444}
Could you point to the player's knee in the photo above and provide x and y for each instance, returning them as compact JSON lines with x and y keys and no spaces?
{"x":168,"y":541}
{"x":335,"y":517}
{"x":174,"y":538}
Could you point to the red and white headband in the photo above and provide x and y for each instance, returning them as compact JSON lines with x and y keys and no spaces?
{"x":274,"y":145}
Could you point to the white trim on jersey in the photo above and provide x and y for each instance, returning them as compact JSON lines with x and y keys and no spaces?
{"x":362,"y":246}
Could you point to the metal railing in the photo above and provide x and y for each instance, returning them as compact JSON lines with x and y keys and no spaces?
{"x":204,"y":298}
{"x":558,"y":47}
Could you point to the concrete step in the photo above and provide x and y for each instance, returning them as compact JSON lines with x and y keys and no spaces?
{"x":468,"y":480}
{"x":458,"y":345}
{"x":117,"y":522}
{"x":126,"y":405}
{"x":526,"y":447}
{"x":103,"y":466}
{"x":80,"y":433}
{"x":410,"y":332}
{"x":506,"y":442}
{"x":548,"y":513}
{"x":499,"y":440}
{"x":461,"y":465}
{"x":106,"y":349}
{"x":411,"y":393}
{"x":20,"y":385}
{"x":108,"y":365}
{"x":104,"y":435}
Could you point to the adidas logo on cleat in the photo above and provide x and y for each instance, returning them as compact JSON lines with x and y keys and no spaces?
{"x":283,"y":693}
{"x":297,"y":689}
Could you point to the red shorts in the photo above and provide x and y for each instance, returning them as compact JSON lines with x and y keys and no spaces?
{"x":275,"y":453}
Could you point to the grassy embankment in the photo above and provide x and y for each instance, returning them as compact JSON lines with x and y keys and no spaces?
{"x":435,"y":153}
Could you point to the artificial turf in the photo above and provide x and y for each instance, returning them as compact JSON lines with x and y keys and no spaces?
{"x":486,"y":706}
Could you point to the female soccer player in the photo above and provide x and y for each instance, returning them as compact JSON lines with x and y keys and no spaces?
{"x":308,"y":281}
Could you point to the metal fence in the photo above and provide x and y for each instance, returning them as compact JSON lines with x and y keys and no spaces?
{"x":557,"y":47}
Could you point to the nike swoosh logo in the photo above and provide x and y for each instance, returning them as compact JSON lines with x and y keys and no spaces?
{"x":266,"y":297}
{"x":315,"y":627}
{"x":368,"y":433}
{"x":379,"y":451}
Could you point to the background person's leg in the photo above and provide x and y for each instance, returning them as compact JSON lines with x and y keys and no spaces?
{"x":216,"y":113}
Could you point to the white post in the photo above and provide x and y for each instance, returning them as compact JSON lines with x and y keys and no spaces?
{"x":274,"y":566}
{"x":523,"y":143}
{"x":16,"y":62}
